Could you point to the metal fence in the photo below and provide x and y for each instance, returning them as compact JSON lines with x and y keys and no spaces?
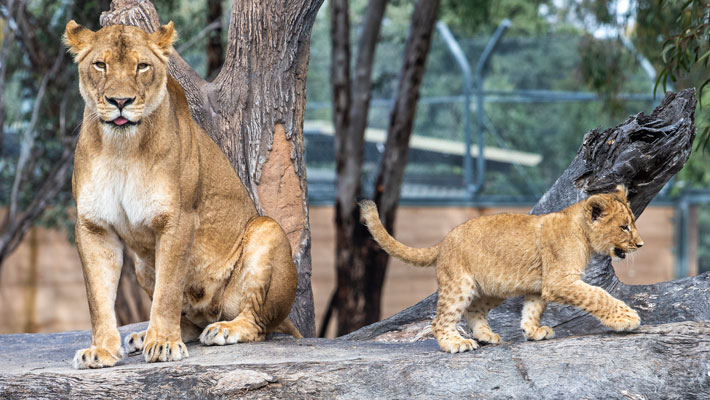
{"x":496,"y":134}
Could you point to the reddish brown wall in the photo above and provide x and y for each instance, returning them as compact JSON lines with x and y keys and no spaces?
{"x":61,"y":301}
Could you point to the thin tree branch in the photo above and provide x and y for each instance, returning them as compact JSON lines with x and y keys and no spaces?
{"x":200,"y":35}
{"x":28,"y":142}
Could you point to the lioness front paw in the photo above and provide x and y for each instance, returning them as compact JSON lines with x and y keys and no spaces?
{"x":538,"y":332}
{"x":623,"y":319}
{"x":457,"y":345}
{"x":156,"y":350}
{"x":96,"y":357}
{"x":134,"y":342}
{"x":487,"y":337}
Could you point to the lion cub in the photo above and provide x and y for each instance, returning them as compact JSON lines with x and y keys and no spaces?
{"x":485,"y":260}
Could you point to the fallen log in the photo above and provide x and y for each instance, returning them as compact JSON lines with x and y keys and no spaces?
{"x":663,"y":361}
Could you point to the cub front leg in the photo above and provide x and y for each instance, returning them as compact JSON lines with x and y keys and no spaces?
{"x":533,"y":307}
{"x":101,"y":254}
{"x":611,"y":312}
{"x":162,"y":341}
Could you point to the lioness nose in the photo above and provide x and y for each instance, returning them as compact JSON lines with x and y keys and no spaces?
{"x":120,"y":102}
{"x":639,"y":244}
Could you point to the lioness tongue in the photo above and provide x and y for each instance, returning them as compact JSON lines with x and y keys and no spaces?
{"x":120,"y":121}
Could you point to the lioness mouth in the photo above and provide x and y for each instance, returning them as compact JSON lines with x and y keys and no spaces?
{"x":120,"y":121}
{"x":619,"y":253}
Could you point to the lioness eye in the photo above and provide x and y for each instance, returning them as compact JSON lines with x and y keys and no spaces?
{"x":100,"y":65}
{"x":624,"y":227}
{"x":142,"y":66}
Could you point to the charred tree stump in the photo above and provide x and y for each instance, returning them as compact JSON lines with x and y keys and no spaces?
{"x":643,"y":153}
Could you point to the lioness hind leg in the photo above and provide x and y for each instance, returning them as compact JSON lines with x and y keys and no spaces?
{"x":476,"y":314}
{"x":134,"y":342}
{"x":449,"y":308}
{"x":533,"y":307}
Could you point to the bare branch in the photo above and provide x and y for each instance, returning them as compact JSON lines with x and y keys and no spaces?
{"x":200,"y":35}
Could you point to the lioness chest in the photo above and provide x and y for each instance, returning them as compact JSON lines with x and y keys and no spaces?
{"x":127,"y":195}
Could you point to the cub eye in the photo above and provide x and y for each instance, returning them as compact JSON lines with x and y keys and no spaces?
{"x":100,"y":65}
{"x":142,"y":66}
{"x":624,"y":228}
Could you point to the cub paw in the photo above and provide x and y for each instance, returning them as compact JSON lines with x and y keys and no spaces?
{"x":538,"y":332}
{"x":624,"y":319}
{"x":457,"y":345}
{"x":96,"y":357}
{"x":487,"y":337}
{"x":155,"y":351}
{"x":221,"y":333}
{"x":134,"y":342}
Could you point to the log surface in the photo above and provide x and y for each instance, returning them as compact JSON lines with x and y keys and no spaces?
{"x":664,"y":361}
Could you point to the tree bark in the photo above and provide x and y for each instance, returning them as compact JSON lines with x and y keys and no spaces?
{"x":643,"y":153}
{"x":254,"y":111}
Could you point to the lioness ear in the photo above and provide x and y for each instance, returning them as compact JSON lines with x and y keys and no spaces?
{"x":595,"y":208}
{"x":164,"y":38}
{"x":77,"y":39}
{"x":621,"y":191}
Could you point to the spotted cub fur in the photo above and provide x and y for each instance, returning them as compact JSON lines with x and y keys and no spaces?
{"x":485,"y":260}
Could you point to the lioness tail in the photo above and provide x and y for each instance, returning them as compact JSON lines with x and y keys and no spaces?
{"x":419,"y":257}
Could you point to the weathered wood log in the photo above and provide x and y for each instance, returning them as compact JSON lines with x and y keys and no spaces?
{"x":664,"y":361}
{"x":643,"y":153}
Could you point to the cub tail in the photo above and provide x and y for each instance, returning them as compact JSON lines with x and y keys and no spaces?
{"x":419,"y":257}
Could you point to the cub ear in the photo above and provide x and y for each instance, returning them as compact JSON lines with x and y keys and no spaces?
{"x":77,"y":38}
{"x":621,"y":191}
{"x":164,"y":37}
{"x":595,"y":208}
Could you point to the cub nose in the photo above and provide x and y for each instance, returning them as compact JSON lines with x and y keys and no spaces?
{"x":639,"y":244}
{"x":120,"y":102}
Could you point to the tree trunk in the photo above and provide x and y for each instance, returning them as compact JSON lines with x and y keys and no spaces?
{"x":350,"y":109}
{"x":254,"y":111}
{"x":643,"y":153}
{"x":360,"y":263}
{"x":388,"y":184}
{"x":215,"y":52}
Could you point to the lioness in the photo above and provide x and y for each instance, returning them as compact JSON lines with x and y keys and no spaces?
{"x":148,"y":177}
{"x":485,"y":260}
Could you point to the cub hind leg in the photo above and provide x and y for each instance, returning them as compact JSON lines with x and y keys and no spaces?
{"x":261,"y":291}
{"x":454,"y":297}
{"x":476,"y":317}
{"x":533,"y":307}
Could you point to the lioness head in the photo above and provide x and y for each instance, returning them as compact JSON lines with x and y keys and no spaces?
{"x":612,"y":224}
{"x":122,"y":71}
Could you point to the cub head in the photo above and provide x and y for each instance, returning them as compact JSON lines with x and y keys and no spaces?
{"x":122,"y":71}
{"x":611,"y":223}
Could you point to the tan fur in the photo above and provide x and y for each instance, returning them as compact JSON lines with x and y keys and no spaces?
{"x":488,"y":259}
{"x":162,"y":188}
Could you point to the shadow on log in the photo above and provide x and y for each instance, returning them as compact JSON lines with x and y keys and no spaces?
{"x":643,"y":153}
